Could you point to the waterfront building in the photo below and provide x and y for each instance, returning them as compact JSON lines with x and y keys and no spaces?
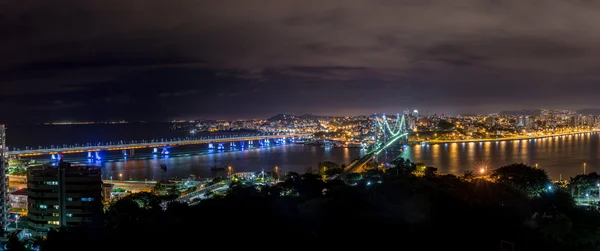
{"x":64,"y":195}
{"x":4,"y":208}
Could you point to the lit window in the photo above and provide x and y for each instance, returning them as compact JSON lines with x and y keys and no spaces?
{"x":43,"y":206}
{"x":54,"y":222}
{"x":55,"y":214}
{"x":70,"y":199}
{"x":69,"y":215}
{"x":55,"y":206}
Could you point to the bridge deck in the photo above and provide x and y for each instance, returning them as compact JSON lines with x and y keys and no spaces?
{"x":153,"y":144}
{"x":358,"y":164}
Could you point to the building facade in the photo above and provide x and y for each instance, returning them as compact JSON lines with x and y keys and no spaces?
{"x":18,"y":200}
{"x":4,"y":206}
{"x":63,"y":195}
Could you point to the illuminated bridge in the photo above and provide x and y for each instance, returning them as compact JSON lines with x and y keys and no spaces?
{"x":160,"y":146}
{"x":385,"y":137}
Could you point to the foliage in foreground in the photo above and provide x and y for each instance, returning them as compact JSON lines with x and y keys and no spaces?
{"x":404,"y":211}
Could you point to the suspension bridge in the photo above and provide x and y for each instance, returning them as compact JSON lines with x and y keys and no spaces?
{"x":158,"y":146}
{"x":385,"y":136}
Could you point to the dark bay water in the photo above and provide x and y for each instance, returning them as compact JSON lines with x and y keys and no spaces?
{"x":559,"y":156}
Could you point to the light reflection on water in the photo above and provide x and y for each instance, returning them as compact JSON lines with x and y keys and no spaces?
{"x":561,"y":155}
{"x":193,"y":160}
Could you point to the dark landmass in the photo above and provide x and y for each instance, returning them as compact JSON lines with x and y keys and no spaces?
{"x":413,"y":208}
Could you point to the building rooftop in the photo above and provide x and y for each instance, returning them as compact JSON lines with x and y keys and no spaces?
{"x":70,"y":170}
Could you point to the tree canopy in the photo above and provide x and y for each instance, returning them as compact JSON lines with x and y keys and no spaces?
{"x":530,"y":180}
{"x":402,"y":211}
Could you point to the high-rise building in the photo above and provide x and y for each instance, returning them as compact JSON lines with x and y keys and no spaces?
{"x":416,"y":114}
{"x":63,"y":195}
{"x":4,"y":208}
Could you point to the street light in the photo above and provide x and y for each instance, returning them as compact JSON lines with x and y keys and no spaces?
{"x":587,"y":196}
{"x":121,"y":176}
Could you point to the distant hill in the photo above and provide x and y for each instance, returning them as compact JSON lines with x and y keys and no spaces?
{"x":311,"y":116}
{"x":589,"y":111}
{"x":282,"y":116}
{"x":522,"y":112}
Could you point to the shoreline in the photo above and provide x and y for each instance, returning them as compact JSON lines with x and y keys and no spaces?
{"x":504,"y":139}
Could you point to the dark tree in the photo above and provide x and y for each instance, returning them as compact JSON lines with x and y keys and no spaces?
{"x":530,"y":180}
{"x":14,"y":244}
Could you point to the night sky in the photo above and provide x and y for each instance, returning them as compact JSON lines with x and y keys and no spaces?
{"x":230,"y":59}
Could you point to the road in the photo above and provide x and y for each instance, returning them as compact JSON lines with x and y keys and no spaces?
{"x":507,"y":138}
{"x":357,"y":166}
{"x":20,"y":182}
{"x":151,"y":144}
{"x":133,"y":186}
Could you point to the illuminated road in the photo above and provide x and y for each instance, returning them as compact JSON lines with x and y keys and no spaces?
{"x":20,"y":182}
{"x":149,"y":144}
{"x":357,"y":166}
{"x":133,"y":186}
{"x":509,"y":138}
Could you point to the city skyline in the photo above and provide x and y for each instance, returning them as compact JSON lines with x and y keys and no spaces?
{"x":151,"y":60}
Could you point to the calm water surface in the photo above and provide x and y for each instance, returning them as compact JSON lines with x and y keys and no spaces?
{"x":559,"y":156}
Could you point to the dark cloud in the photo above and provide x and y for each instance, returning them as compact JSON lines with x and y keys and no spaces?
{"x":154,"y":58}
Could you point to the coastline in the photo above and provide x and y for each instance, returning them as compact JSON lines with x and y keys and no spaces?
{"x":505,"y":139}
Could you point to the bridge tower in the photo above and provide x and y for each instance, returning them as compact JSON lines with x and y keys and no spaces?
{"x":388,"y":130}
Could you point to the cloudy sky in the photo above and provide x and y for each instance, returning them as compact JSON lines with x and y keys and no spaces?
{"x":228,"y":59}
